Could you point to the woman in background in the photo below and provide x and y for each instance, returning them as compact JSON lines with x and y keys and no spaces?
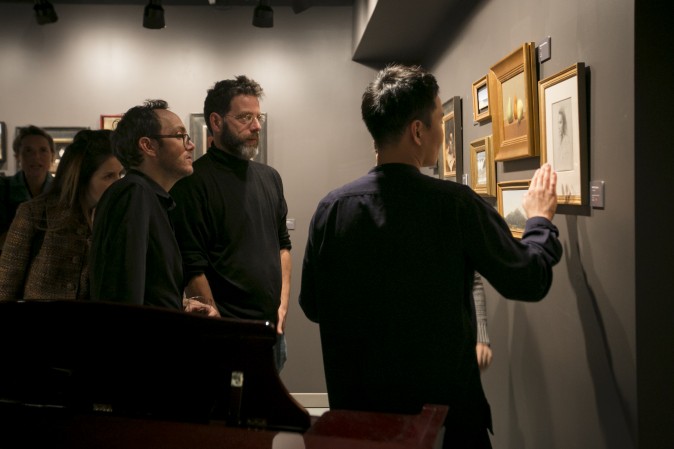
{"x":34,"y":153}
{"x":46,"y":252}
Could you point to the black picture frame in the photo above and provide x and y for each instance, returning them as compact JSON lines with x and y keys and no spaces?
{"x":450,"y":159}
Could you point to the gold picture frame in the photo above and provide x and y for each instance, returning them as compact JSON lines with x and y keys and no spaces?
{"x":564,"y":133}
{"x":481,"y":100}
{"x":482,"y":167}
{"x":514,"y":110}
{"x":510,"y":195}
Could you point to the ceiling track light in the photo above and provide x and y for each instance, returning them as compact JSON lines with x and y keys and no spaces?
{"x":44,"y":12}
{"x":153,"y":17}
{"x":301,"y":5}
{"x":263,"y":16}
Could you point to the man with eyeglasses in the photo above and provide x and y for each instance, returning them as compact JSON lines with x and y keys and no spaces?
{"x":231,"y":216}
{"x":135,"y":257}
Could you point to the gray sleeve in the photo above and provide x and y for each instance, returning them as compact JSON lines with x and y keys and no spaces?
{"x":480,"y":309}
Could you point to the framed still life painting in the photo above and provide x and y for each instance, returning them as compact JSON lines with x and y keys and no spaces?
{"x":564,"y":133}
{"x":450,"y":160}
{"x":514,"y":111}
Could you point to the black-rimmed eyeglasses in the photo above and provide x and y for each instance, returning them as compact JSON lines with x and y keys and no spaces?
{"x":183,"y":136}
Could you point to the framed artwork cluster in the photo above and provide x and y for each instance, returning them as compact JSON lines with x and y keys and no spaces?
{"x":544,"y":119}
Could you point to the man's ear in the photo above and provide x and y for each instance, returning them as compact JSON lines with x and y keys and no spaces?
{"x":416,"y":131}
{"x":217,"y":122}
{"x":148,"y":146}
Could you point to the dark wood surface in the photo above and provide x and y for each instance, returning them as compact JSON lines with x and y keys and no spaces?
{"x":99,"y":375}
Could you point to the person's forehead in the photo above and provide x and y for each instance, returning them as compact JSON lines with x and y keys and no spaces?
{"x":247,"y":103}
{"x":34,"y":140}
{"x":169,"y":119}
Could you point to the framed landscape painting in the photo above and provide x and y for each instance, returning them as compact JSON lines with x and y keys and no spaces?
{"x":510,"y":195}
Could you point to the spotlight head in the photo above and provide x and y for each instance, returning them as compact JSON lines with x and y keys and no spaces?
{"x":301,"y":5}
{"x":263,"y":16}
{"x":153,"y":17}
{"x":44,"y":12}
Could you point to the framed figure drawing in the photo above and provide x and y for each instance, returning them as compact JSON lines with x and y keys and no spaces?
{"x":110,"y":121}
{"x":564,"y":133}
{"x":510,"y":195}
{"x":514,"y":110}
{"x":482,"y":167}
{"x":481,"y":100}
{"x":450,"y":161}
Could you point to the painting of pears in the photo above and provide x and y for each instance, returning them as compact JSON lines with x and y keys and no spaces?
{"x":514,"y":108}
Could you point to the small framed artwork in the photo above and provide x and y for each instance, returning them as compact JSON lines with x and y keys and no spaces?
{"x":481,"y":100}
{"x":514,"y":110}
{"x":482,"y":168}
{"x":450,"y":162}
{"x":110,"y":121}
{"x":510,"y":195}
{"x":564,"y":133}
{"x":62,"y":138}
{"x":3,"y":143}
{"x":200,"y":135}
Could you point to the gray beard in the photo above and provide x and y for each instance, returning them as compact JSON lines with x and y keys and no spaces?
{"x":247,"y":152}
{"x":238,"y":147}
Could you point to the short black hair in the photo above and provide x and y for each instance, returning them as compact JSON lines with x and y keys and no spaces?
{"x":398,"y":95}
{"x":137,"y":122}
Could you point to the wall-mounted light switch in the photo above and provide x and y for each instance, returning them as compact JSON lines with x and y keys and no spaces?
{"x":290,"y":223}
{"x":544,"y":51}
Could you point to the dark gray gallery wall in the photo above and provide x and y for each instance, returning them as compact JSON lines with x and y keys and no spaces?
{"x":564,"y":370}
{"x":99,"y":60}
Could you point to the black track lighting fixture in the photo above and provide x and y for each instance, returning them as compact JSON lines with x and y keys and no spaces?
{"x":263,"y":16}
{"x":153,"y":17}
{"x":44,"y":12}
{"x":301,"y":5}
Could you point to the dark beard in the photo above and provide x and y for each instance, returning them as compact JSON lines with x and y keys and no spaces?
{"x":236,"y":146}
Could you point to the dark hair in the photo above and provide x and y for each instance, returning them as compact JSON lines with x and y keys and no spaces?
{"x":89,"y":150}
{"x":219,"y":98}
{"x":137,"y":122}
{"x":31,"y":130}
{"x":398,"y":95}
